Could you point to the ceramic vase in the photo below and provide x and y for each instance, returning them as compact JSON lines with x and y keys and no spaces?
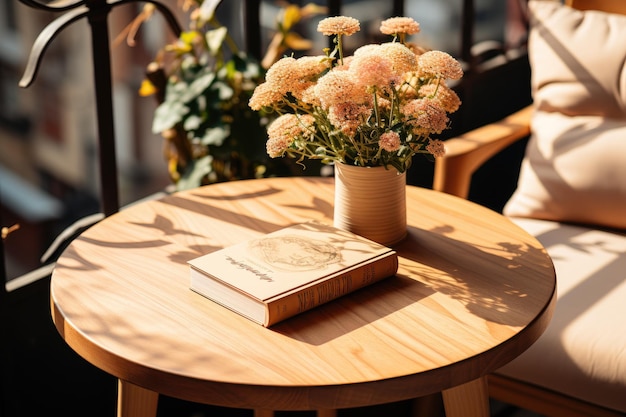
{"x":371,"y":202}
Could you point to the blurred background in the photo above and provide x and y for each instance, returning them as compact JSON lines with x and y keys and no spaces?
{"x":48,"y":147}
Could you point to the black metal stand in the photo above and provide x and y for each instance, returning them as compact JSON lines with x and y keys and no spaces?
{"x":96,"y":12}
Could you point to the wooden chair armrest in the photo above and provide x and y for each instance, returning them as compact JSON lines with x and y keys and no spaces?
{"x":466,"y":153}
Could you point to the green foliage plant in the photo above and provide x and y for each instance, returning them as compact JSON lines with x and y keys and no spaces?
{"x":203,"y":82}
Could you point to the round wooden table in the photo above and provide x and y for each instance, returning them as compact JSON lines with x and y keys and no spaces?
{"x":473,"y":291}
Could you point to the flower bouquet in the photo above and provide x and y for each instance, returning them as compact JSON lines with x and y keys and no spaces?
{"x":378,"y":107}
{"x":363,"y":113}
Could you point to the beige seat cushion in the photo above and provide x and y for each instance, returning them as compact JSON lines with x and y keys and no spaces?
{"x":583,"y":351}
{"x":575,"y":166}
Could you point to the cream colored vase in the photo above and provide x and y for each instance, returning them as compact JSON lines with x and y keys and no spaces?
{"x":371,"y":202}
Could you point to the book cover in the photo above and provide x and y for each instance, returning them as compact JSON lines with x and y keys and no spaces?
{"x":290,"y":271}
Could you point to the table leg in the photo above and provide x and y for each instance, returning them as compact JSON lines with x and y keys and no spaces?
{"x":467,"y":400}
{"x":320,"y":413}
{"x":135,"y":401}
{"x":428,"y":405}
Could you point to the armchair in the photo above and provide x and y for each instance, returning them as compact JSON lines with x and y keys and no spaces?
{"x":571,"y":195}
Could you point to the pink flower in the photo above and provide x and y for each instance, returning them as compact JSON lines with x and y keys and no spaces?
{"x":338,"y":25}
{"x":264,"y":96}
{"x":402,"y":58}
{"x":348,"y":116}
{"x":389,"y":141}
{"x":280,"y":75}
{"x":285,"y":130}
{"x":373,"y":70}
{"x":440,"y":64}
{"x":425,"y":116}
{"x":397,"y":25}
{"x":447,"y":98}
{"x":436,"y":147}
{"x":306,"y":72}
{"x":339,"y":87}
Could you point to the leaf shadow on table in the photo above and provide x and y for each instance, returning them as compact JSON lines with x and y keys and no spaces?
{"x":165,"y":228}
{"x":316,"y":206}
{"x":227,"y":208}
{"x":219,"y":211}
{"x":494,"y":281}
{"x":240,"y":196}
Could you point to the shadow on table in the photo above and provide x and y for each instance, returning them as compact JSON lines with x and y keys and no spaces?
{"x":489,"y":280}
{"x":353,"y":311}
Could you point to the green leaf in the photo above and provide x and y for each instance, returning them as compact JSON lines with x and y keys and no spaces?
{"x":192,"y":122}
{"x":249,"y":67}
{"x":215,"y":136}
{"x":175,"y":90}
{"x":198,"y":86}
{"x":224,"y":91}
{"x":215,"y":39}
{"x":167,"y":115}
{"x":195,"y":172}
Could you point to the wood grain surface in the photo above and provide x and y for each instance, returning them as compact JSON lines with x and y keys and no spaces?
{"x":473,"y":291}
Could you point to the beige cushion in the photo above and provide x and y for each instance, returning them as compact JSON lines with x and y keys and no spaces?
{"x":583,"y":351}
{"x":575,"y":165}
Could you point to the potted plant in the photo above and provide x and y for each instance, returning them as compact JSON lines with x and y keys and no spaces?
{"x":367,"y":114}
{"x":203,"y":82}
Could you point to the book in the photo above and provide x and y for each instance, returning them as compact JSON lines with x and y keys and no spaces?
{"x":290,"y":271}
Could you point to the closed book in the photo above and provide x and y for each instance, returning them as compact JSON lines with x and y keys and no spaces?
{"x":292,"y":270}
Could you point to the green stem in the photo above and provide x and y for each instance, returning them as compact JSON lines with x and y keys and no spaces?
{"x":340,"y":48}
{"x":376,"y":111}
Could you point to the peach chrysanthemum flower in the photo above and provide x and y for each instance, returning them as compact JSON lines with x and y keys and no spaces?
{"x":389,"y":141}
{"x":339,"y":87}
{"x":264,"y":95}
{"x":309,"y":68}
{"x":280,"y":75}
{"x":348,"y":116}
{"x":397,"y":25}
{"x":305,"y":72}
{"x":436,"y":147}
{"x":373,"y":70}
{"x":283,"y":131}
{"x":368,"y":49}
{"x":439,"y":64}
{"x":402,"y":58}
{"x":338,"y":25}
{"x":425,"y":116}
{"x":447,"y":98}
{"x":308,"y":96}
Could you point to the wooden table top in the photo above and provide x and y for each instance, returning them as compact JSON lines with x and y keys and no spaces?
{"x":473,"y":291}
